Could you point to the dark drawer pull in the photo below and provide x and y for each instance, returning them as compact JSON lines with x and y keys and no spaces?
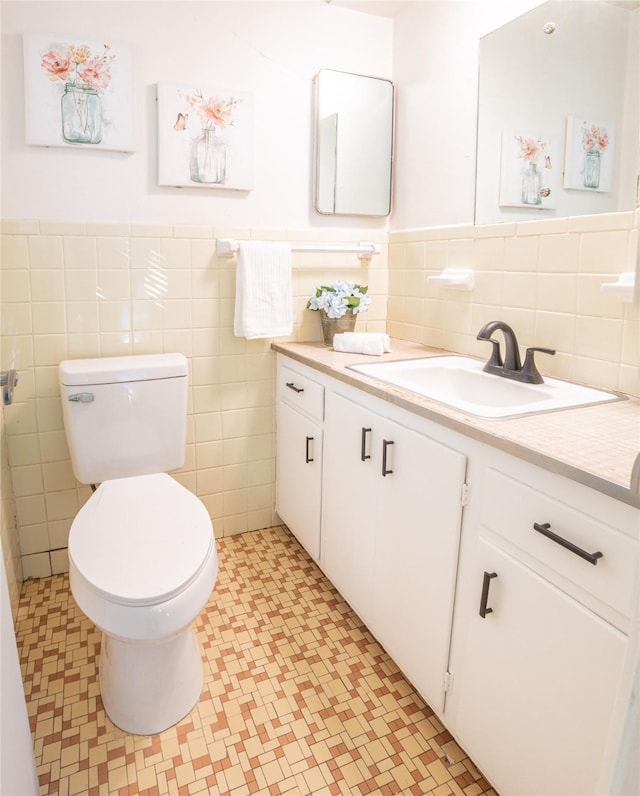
{"x":293,"y":387}
{"x":308,"y":458}
{"x":545,"y":530}
{"x":385,"y":445}
{"x":363,"y":445}
{"x":486,"y":582}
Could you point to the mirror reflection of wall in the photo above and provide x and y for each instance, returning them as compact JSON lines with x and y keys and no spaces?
{"x":549,"y":79}
{"x":354,"y":144}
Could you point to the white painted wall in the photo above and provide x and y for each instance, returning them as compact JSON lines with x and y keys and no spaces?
{"x":272,"y":49}
{"x":435,"y":69}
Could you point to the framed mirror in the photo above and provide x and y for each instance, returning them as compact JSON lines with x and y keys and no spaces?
{"x":558,"y":113}
{"x":353,"y":144}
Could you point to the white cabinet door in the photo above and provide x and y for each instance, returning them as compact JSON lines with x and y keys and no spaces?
{"x":536,"y":683}
{"x":349,"y":502}
{"x":299,"y":476}
{"x":390,"y":532}
{"x":418,"y":516}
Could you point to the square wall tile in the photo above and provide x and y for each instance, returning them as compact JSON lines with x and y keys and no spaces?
{"x":79,"y":252}
{"x":37,"y":565}
{"x":45,"y":252}
{"x":33,"y":538}
{"x":59,"y":561}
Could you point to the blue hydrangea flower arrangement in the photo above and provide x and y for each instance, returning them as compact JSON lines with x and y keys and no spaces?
{"x":340,"y":297}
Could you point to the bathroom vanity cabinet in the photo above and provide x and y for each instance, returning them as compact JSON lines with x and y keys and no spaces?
{"x":540,"y":632}
{"x":300,"y":414}
{"x":392,"y":505}
{"x":422,"y":529}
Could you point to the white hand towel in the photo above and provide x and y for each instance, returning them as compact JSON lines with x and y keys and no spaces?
{"x":362,"y":343}
{"x":263,"y":290}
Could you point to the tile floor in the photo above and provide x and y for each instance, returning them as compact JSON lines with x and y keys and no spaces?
{"x":298,"y":697}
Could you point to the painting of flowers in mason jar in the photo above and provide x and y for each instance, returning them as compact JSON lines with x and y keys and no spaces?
{"x":205,"y":137}
{"x":589,"y":158}
{"x":78,"y":92}
{"x":529,"y":171}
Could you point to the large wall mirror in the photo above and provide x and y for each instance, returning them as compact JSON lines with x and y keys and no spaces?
{"x":558,"y":113}
{"x":353,"y":143}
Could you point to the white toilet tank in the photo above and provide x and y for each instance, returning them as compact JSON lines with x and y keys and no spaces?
{"x":124,"y":416}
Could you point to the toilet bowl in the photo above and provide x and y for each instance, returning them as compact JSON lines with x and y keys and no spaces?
{"x":142,"y":554}
{"x":142,"y":565}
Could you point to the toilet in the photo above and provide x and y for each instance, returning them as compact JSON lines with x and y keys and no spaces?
{"x":142,"y":552}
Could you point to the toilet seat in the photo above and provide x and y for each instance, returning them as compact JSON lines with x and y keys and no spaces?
{"x":140,"y":541}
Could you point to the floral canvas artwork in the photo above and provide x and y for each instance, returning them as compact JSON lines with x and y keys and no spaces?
{"x":78,"y":93}
{"x":205,"y":137}
{"x":529,"y":171}
{"x":589,"y":156}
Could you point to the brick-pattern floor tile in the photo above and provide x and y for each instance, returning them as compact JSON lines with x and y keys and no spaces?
{"x":298,"y":697}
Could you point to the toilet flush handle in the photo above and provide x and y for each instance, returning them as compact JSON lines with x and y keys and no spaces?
{"x":82,"y":397}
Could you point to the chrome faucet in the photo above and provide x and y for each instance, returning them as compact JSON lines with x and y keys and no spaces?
{"x":511,"y":368}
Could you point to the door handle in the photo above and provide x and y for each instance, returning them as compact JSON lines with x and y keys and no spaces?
{"x":363,"y":445}
{"x":385,"y":445}
{"x":486,"y":582}
{"x":293,"y":387}
{"x":307,"y":457}
{"x":545,"y":530}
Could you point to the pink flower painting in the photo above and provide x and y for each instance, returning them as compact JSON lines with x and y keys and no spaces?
{"x":528,"y":178}
{"x":589,"y":156}
{"x":205,"y":137}
{"x":82,"y":90}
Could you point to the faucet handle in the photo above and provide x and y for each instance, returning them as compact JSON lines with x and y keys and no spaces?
{"x":495,"y":359}
{"x":530,"y":373}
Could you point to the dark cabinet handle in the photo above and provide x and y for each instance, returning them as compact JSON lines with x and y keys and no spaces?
{"x":308,"y":458}
{"x":293,"y":387}
{"x":486,"y":582}
{"x":385,"y":445}
{"x":363,"y":445}
{"x":545,"y":530}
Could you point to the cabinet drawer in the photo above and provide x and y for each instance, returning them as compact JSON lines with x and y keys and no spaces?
{"x":510,"y":508}
{"x":300,"y":391}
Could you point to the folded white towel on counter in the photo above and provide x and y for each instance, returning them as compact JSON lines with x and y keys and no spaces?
{"x":263,"y":290}
{"x":362,"y":343}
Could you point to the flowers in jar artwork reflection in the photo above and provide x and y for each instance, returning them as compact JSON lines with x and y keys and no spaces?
{"x":529,"y":171}
{"x":205,"y":137}
{"x":79,"y":93}
{"x":589,"y":156}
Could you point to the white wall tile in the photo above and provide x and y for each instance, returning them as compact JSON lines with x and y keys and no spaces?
{"x":59,"y":533}
{"x":45,"y":251}
{"x":603,"y":252}
{"x":36,"y":566}
{"x":113,"y":253}
{"x":521,"y":254}
{"x":33,"y":538}
{"x":14,"y":252}
{"x":59,"y":561}
{"x":79,"y":252}
{"x":112,"y":289}
{"x":558,"y":292}
{"x":599,"y":339}
{"x":30,"y":510}
{"x":15,"y":285}
{"x":559,"y":254}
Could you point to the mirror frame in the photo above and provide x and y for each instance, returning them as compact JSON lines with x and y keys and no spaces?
{"x":320,"y":148}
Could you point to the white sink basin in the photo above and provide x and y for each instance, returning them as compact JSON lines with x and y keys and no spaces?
{"x":461,"y":383}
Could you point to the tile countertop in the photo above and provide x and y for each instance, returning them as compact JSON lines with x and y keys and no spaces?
{"x":594,"y":445}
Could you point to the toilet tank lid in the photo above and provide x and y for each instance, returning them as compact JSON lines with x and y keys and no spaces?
{"x":111,"y":370}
